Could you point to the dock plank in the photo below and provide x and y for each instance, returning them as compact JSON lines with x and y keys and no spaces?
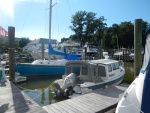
{"x":66,"y":104}
{"x":78,"y":106}
{"x":57,"y":107}
{"x":12,"y":100}
{"x":98,"y":101}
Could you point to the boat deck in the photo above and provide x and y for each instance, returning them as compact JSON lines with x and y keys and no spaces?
{"x":12,"y":100}
{"x":99,"y":101}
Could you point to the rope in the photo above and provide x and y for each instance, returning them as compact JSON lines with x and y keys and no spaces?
{"x":44,"y":91}
{"x":50,"y":85}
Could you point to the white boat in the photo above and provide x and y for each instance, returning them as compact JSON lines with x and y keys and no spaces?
{"x":41,"y":67}
{"x":82,"y":77}
{"x":91,"y":50}
{"x":4,"y":75}
{"x":136,"y":99}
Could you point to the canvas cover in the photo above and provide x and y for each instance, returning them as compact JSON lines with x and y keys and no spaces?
{"x":66,"y":55}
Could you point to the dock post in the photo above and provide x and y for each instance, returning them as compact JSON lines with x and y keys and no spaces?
{"x":102,"y":47}
{"x":42,"y":50}
{"x":137,"y":46}
{"x":11,"y":36}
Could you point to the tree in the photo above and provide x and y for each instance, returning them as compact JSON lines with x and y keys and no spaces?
{"x":1,"y":42}
{"x":23,"y":42}
{"x":100,"y":28}
{"x":85,"y":25}
{"x":78,"y":21}
{"x":64,"y":39}
{"x":126,"y":34}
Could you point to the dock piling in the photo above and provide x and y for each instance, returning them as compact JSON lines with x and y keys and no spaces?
{"x":11,"y":35}
{"x":137,"y":46}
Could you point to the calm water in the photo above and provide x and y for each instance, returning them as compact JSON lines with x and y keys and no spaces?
{"x":40,"y":88}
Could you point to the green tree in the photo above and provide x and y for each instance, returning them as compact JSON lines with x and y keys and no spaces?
{"x":23,"y":42}
{"x":78,"y":21}
{"x":86,"y":25}
{"x":1,"y":42}
{"x":126,"y":34}
{"x":64,"y":39}
{"x":100,"y":28}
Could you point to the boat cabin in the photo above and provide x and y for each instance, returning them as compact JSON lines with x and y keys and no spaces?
{"x":93,"y":70}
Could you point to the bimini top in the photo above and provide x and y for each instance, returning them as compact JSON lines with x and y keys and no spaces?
{"x":92,"y":62}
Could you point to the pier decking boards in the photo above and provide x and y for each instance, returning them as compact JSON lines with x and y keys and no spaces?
{"x":98,"y":101}
{"x":12,"y":100}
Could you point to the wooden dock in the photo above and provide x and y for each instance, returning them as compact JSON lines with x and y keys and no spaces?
{"x":99,"y":101}
{"x":12,"y":100}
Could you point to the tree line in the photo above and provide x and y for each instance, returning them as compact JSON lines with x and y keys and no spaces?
{"x":88,"y":28}
{"x":18,"y":44}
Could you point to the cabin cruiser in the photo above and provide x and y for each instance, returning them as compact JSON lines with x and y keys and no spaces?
{"x":82,"y":77}
{"x":136,"y":98}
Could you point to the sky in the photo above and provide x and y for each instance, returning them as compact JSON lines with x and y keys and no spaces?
{"x":31,"y":17}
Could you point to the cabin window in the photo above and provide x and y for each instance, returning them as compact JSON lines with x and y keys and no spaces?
{"x":76,"y":70}
{"x":68,"y":70}
{"x":109,"y":68}
{"x":84,"y":70}
{"x":114,"y":66}
{"x":101,"y":71}
{"x":117,"y":65}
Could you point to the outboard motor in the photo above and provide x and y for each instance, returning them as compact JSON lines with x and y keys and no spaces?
{"x":67,"y":88}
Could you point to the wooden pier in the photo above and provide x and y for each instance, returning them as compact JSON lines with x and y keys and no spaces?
{"x":12,"y":100}
{"x":99,"y":101}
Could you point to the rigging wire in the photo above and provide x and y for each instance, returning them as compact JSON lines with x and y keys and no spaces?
{"x":69,"y":7}
{"x":46,"y":25}
{"x":29,"y":9}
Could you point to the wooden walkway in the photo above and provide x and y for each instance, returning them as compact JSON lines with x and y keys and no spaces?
{"x":12,"y":100}
{"x":99,"y":101}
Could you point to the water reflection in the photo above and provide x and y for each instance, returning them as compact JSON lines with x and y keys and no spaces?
{"x":129,"y":72}
{"x":40,"y":88}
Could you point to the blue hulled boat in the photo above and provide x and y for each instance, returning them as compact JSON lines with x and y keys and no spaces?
{"x":41,"y":67}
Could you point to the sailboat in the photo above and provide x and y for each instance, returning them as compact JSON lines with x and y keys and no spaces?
{"x":45,"y":67}
{"x":136,"y":99}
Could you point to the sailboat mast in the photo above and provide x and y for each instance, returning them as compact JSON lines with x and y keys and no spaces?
{"x":50,"y":19}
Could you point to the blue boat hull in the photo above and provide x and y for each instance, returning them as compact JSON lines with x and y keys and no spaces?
{"x":33,"y":70}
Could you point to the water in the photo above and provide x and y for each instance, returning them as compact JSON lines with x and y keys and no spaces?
{"x":40,"y":88}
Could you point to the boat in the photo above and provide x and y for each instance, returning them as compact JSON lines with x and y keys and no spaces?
{"x":41,"y":67}
{"x":91,"y":51}
{"x":46,"y":67}
{"x":84,"y":76}
{"x":136,"y":98}
{"x":4,"y":75}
